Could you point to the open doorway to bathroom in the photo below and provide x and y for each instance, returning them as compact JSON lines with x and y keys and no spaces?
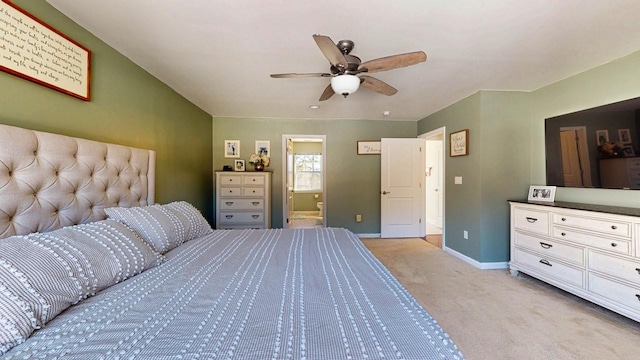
{"x":434,"y":185}
{"x":304,"y":191}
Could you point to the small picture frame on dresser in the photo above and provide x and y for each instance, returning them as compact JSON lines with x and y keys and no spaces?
{"x":542,"y":193}
{"x":238,"y":165}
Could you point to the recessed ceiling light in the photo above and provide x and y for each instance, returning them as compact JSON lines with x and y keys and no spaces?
{"x":386,"y":113}
{"x":314,"y":106}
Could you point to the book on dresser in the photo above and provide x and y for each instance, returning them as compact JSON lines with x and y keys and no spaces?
{"x":592,"y":251}
{"x":243,"y":200}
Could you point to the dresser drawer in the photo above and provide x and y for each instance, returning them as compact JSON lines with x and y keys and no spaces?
{"x":247,"y":191}
{"x":531,"y":220}
{"x":242,"y":204}
{"x":551,"y":267}
{"x":572,"y":254}
{"x":604,"y":243}
{"x":608,"y":227}
{"x":621,"y":268}
{"x":230,"y":191}
{"x":241,"y":218}
{"x":633,"y":164}
{"x":230,"y":180}
{"x":253,"y":180}
{"x":620,"y":293}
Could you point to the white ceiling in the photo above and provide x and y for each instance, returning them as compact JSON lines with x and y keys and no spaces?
{"x":219,"y":54}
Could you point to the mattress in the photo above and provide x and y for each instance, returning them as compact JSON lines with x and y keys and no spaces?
{"x":250,"y":294}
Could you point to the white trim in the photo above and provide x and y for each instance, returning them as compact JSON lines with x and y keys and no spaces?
{"x":368,"y":235}
{"x":475,"y":263}
{"x":440,"y":131}
{"x":285,"y":191}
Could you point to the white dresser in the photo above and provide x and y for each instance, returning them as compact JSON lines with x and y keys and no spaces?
{"x":243,"y":200}
{"x":620,"y":173}
{"x":588,"y":250}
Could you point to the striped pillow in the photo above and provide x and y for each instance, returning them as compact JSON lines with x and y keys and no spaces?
{"x":160,"y":227}
{"x":199,"y":225}
{"x":164,"y":227}
{"x":41,"y":274}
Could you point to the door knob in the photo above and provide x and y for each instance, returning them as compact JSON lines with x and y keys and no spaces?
{"x":385,"y":193}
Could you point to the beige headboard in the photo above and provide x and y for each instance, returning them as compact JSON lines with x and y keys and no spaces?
{"x":48,"y":181}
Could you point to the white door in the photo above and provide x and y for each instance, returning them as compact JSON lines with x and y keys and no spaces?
{"x":434,"y":188}
{"x":402,"y":192}
{"x":288,"y":183}
{"x":570,"y":159}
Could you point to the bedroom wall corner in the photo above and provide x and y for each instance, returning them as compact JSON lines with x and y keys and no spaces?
{"x":129,"y":106}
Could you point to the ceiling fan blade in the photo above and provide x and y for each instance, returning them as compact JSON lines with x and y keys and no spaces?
{"x":378,"y":86}
{"x":393,"y":62}
{"x":328,"y":92}
{"x":331,"y":51}
{"x":294,"y":75}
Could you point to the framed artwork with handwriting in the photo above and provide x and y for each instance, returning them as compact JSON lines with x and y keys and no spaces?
{"x":459,"y":143}
{"x":37,"y":52}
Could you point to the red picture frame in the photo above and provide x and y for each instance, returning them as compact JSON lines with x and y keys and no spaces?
{"x":35,"y":51}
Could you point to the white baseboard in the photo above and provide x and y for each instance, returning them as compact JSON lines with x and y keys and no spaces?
{"x":475,"y":263}
{"x":368,"y":235}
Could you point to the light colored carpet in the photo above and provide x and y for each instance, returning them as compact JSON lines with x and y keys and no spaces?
{"x":492,"y":315}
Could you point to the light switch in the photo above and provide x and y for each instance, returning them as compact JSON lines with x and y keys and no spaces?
{"x":457,"y":180}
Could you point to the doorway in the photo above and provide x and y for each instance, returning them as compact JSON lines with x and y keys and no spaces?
{"x":304,"y":181}
{"x":575,"y":157}
{"x":434,"y":186}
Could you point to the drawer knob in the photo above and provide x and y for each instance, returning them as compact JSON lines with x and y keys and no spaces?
{"x":614,"y":244}
{"x":254,"y":180}
{"x":229,"y":203}
{"x":563,"y":234}
{"x":255,"y":216}
{"x":255,"y":203}
{"x":546,"y":262}
{"x":228,"y":216}
{"x":545,"y":245}
{"x":638,"y":270}
{"x":564,"y":219}
{"x":531,"y":220}
{"x":614,"y":227}
{"x":638,"y":296}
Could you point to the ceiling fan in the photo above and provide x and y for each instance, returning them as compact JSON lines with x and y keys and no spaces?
{"x":345,"y":68}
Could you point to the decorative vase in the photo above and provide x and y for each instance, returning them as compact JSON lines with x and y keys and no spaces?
{"x":259,"y":167}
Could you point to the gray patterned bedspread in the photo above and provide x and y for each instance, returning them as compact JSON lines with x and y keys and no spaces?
{"x":250,"y":294}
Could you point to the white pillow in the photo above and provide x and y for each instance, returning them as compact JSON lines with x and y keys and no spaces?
{"x":41,"y":274}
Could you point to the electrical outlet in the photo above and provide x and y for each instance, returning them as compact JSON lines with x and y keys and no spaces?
{"x":465,"y":234}
{"x":358,"y":218}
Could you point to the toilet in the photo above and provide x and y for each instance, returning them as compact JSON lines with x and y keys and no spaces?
{"x":319,"y":205}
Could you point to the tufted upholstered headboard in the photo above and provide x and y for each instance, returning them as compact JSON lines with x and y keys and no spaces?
{"x":48,"y":181}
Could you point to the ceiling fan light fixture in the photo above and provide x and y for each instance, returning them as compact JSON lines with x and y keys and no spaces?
{"x":345,"y":84}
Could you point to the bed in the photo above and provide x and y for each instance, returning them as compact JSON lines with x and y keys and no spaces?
{"x":91,"y":268}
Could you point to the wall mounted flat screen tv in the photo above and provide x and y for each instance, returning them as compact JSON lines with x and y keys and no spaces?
{"x":595,"y":148}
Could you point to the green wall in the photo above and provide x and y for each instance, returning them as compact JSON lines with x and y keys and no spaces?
{"x":615,"y":81}
{"x":507,"y":153}
{"x":128,"y":106}
{"x":353,"y":181}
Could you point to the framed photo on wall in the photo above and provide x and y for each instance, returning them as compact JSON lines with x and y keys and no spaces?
{"x":602,"y":136}
{"x":263,"y":147}
{"x":542,"y":193}
{"x":232,"y":148}
{"x":624,"y":136}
